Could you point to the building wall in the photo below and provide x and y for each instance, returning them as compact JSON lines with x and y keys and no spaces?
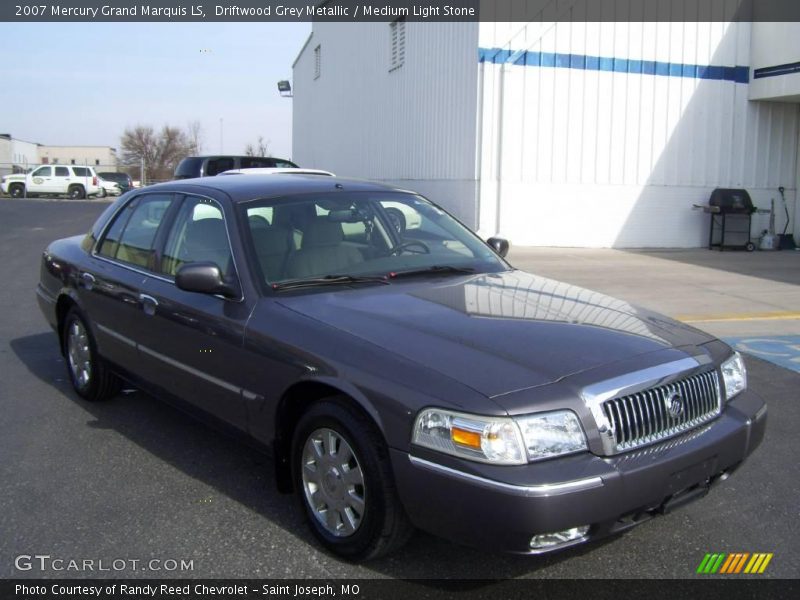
{"x":606,"y":134}
{"x":775,"y":45}
{"x":104,"y":156}
{"x":413,"y":126}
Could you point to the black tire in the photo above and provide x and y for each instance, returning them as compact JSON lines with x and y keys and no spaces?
{"x":17,"y":190}
{"x":77,"y":192}
{"x":88,"y":373}
{"x":383,"y":525}
{"x":398,"y":219}
{"x":749,"y":246}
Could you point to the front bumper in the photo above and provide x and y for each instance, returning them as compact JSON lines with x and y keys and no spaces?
{"x":501,"y":507}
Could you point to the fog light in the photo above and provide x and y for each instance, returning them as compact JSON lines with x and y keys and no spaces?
{"x":550,"y":541}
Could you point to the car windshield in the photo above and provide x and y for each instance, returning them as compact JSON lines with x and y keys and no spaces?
{"x":360,"y":234}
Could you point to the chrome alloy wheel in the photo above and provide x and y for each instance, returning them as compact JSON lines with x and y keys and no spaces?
{"x":333,"y":482}
{"x":79,"y":354}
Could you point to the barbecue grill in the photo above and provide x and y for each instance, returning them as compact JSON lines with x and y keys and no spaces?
{"x":731,"y":219}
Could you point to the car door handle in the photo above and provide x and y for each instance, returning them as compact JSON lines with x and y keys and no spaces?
{"x":149,"y":304}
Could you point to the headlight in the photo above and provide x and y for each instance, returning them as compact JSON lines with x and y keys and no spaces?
{"x":499,"y":440}
{"x":734,"y":375}
{"x":551,"y":434}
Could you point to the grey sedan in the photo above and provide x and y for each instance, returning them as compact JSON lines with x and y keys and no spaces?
{"x":400,"y":377}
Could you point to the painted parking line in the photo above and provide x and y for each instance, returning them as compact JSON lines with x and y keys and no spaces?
{"x":783,"y":350}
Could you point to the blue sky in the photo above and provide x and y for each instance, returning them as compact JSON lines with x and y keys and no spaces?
{"x":83,"y":83}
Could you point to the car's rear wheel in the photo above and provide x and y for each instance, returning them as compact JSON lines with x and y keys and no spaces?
{"x":88,"y":373}
{"x":341,"y":471}
{"x":76,"y":192}
{"x":17,"y":190}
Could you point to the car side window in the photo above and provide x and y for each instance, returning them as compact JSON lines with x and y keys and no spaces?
{"x":219,"y":165}
{"x":42,"y":172}
{"x":197,"y":235}
{"x":62,"y":172}
{"x":81,"y":171}
{"x":130,"y":237}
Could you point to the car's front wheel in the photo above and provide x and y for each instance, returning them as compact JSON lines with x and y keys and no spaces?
{"x":342,"y":475}
{"x":88,"y":373}
{"x":17,"y":190}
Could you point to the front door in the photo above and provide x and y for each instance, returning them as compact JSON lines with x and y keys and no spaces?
{"x":192,"y":344}
{"x":41,"y":181}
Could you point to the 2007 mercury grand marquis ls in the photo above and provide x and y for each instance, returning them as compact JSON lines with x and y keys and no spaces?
{"x":401,"y":376}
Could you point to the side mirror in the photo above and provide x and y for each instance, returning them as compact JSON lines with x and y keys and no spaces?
{"x":499,"y":245}
{"x":204,"y":278}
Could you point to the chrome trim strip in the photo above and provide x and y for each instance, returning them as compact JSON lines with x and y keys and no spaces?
{"x":115,"y":335}
{"x":760,"y":413}
{"x":184,"y":367}
{"x":246,"y":394}
{"x":553,"y":489}
{"x":646,"y":378}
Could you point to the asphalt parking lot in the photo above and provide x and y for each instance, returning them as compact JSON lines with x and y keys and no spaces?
{"x":134,"y":479}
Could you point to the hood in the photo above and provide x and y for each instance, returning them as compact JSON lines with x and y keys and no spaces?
{"x":499,"y":332}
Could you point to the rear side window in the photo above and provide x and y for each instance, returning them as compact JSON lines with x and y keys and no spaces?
{"x":284,"y":164}
{"x":81,"y":171}
{"x":132,"y":234}
{"x":62,"y":172}
{"x":218,"y":165}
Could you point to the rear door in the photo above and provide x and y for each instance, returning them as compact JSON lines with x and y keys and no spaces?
{"x":121,"y":264}
{"x":62,"y":178}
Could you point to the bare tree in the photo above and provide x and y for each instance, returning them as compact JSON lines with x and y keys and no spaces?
{"x":261,"y":148}
{"x":160,"y":151}
{"x":195,"y":132}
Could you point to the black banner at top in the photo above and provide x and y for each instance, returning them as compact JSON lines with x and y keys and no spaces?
{"x":389,"y":10}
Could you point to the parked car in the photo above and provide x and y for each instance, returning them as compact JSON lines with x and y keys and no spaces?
{"x":109,"y":188}
{"x":399,"y":380}
{"x":122,"y":179}
{"x":206,"y":166}
{"x":53,"y":180}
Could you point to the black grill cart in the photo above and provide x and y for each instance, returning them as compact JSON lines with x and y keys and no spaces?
{"x":731,"y":219}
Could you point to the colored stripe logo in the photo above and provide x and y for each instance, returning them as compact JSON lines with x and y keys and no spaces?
{"x":735,"y":563}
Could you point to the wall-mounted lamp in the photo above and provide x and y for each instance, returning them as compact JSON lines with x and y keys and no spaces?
{"x":285,"y":88}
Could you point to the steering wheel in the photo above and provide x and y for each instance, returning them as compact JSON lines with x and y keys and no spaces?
{"x":406,"y":245}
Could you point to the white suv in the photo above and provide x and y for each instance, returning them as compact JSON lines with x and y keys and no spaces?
{"x":70,"y":180}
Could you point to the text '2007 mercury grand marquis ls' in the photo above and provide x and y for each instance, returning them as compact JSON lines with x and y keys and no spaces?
{"x":401,"y":377}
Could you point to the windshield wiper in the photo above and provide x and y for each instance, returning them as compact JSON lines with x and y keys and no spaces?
{"x":328,"y":280}
{"x":435,"y":269}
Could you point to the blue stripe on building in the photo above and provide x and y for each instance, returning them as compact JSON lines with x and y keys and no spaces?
{"x":530,"y":58}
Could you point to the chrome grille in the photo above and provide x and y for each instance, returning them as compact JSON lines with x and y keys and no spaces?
{"x":661,"y":412}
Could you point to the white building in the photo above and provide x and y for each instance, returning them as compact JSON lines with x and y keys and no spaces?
{"x":92,"y":156}
{"x":559,"y":134}
{"x":16,"y":155}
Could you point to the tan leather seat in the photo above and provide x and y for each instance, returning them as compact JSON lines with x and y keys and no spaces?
{"x":324,"y":252}
{"x":272,"y":246}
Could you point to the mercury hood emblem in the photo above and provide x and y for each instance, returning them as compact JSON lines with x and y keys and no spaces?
{"x":674,"y":404}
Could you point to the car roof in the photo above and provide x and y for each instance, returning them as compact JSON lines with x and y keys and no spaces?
{"x":242,"y":189}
